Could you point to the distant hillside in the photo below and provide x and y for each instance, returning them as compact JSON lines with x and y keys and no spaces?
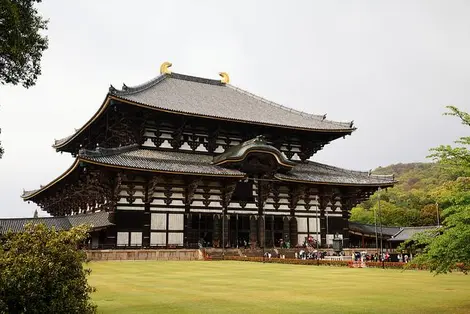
{"x":419,"y":175}
{"x":412,"y":202}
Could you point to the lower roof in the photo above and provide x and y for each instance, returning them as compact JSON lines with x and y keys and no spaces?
{"x":394,"y":234}
{"x":161,"y":161}
{"x":407,"y":233}
{"x":314,"y":172}
{"x":134,"y":157}
{"x":367,"y":229}
{"x":95,"y":220}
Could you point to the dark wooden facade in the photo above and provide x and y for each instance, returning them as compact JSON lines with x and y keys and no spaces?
{"x":173,"y":179}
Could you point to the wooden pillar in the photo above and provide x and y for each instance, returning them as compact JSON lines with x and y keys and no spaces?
{"x":272,"y":231}
{"x":226,"y":235}
{"x":346,"y":214}
{"x":348,"y":201}
{"x":261,"y":231}
{"x":325,"y":199}
{"x":236,"y":230}
{"x":146,"y":230}
{"x":323,"y":227}
{"x":362,"y":238}
{"x":199,"y":227}
{"x":216,"y":238}
{"x":253,"y":231}
{"x":293,"y":231}
{"x":285,"y":229}
{"x":188,"y":231}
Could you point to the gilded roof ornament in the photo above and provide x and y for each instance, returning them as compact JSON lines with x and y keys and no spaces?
{"x":225,"y":78}
{"x":164,"y":67}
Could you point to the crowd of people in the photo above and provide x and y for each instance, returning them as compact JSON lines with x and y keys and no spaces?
{"x":384,"y":257}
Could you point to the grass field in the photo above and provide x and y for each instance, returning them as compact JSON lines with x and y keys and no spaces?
{"x":244,"y":287}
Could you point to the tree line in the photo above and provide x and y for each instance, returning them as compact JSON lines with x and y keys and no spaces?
{"x":415,"y":200}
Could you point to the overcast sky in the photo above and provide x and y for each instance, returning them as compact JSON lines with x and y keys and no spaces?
{"x":391,"y":66}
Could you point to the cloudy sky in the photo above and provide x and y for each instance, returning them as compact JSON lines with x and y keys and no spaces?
{"x":391,"y":66}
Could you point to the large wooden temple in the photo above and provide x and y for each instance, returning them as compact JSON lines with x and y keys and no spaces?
{"x":183,"y":160}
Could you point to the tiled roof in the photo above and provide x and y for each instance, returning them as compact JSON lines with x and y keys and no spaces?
{"x":96,"y":220}
{"x":203,"y":97}
{"x":315,"y":172}
{"x":211,"y":98}
{"x":153,"y":160}
{"x":370,"y":229}
{"x":134,"y":157}
{"x":407,"y":233}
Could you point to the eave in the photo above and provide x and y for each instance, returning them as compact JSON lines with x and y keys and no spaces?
{"x":109,"y":98}
{"x":83,"y":161}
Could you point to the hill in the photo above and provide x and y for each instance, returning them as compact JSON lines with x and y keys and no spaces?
{"x":412,"y":202}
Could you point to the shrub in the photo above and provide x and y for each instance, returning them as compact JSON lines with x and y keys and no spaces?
{"x":393,"y":265}
{"x":290,"y":261}
{"x":41,"y":271}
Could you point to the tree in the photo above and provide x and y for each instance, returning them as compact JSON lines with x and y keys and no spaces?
{"x":21,"y":42}
{"x":41,"y":271}
{"x":451,"y":246}
{"x":458,"y":158}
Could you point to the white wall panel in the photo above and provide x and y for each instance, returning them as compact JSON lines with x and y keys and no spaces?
{"x":302,"y":224}
{"x":176,"y":221}
{"x":136,"y":238}
{"x":122,"y":238}
{"x":158,"y":221}
{"x":157,"y":238}
{"x":314,"y":225}
{"x":175,"y":238}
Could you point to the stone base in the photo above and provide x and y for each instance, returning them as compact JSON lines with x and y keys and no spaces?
{"x":128,"y":255}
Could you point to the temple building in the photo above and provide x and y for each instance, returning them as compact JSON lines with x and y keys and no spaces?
{"x":183,"y":160}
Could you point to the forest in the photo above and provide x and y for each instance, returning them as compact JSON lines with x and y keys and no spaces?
{"x":417,"y":197}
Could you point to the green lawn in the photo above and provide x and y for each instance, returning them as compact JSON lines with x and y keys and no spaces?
{"x":244,"y":287}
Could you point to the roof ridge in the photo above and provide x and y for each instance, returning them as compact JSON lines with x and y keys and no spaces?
{"x":129,"y":90}
{"x":299,"y":112}
{"x":197,"y":79}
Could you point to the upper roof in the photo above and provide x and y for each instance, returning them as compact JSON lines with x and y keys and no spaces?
{"x":212,"y":98}
{"x":96,"y":220}
{"x":202,"y":97}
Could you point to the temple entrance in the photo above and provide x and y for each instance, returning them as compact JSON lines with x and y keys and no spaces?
{"x":274,"y":227}
{"x":240,"y":231}
{"x":202,"y":226}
